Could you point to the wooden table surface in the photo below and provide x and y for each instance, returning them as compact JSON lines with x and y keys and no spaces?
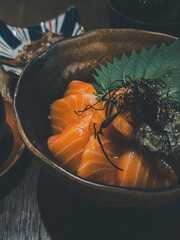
{"x":34,"y":207}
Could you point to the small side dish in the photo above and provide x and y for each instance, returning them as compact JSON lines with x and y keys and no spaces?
{"x":16,"y":40}
{"x":33,"y":49}
{"x":124,"y":128}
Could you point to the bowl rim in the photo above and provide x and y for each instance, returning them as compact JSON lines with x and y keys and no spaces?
{"x":14,"y":155}
{"x":145,"y":23}
{"x":53,"y":164}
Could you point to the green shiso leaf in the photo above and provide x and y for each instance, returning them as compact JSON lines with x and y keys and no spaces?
{"x":143,"y":60}
{"x":161,"y":63}
{"x":113,"y":72}
{"x":130,"y":67}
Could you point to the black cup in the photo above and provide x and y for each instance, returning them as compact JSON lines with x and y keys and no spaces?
{"x":151,"y":15}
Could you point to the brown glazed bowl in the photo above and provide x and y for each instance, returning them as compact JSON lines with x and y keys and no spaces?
{"x":45,"y":79}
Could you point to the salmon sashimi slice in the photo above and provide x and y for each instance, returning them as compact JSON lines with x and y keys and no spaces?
{"x":139,"y":171}
{"x":123,"y":121}
{"x":94,"y":165}
{"x":97,"y":118}
{"x":78,"y":87}
{"x":122,"y":125}
{"x":62,"y":111}
{"x":119,"y":126}
{"x":68,"y":146}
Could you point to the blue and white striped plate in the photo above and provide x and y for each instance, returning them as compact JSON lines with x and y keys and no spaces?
{"x":13,"y":39}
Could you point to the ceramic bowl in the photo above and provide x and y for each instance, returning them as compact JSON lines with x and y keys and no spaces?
{"x":13,"y":155}
{"x":46,"y":78}
{"x":13,"y":39}
{"x":135,"y":14}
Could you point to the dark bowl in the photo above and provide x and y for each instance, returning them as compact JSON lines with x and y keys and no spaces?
{"x":162,"y":18}
{"x":45,"y":79}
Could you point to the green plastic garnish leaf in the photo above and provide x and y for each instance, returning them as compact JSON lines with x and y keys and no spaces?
{"x":161,"y":63}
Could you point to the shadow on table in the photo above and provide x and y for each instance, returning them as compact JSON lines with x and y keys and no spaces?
{"x":67,"y":217}
{"x":10,"y":179}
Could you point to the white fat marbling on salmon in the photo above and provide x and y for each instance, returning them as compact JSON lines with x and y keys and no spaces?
{"x":74,"y":155}
{"x":68,"y":146}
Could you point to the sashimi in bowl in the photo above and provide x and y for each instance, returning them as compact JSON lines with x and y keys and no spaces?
{"x":46,"y":90}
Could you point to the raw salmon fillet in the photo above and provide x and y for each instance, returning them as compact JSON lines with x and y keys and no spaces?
{"x":78,"y":87}
{"x":94,"y":165}
{"x":62,"y":111}
{"x":119,"y":126}
{"x":75,"y":145}
{"x":139,"y":171}
{"x":97,"y":118}
{"x":68,"y":146}
{"x":122,"y":125}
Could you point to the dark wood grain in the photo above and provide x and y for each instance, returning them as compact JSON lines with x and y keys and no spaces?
{"x":20,"y":218}
{"x":19,"y":214}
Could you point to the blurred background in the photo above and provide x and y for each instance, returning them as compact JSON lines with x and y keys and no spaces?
{"x":154,"y":15}
{"x":91,"y":13}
